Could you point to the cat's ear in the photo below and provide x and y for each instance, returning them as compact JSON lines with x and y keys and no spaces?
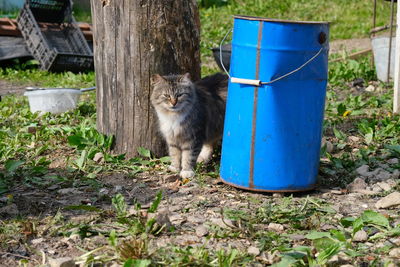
{"x":157,"y":78}
{"x":186,"y":78}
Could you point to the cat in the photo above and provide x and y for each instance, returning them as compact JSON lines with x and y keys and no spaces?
{"x":191,"y":117}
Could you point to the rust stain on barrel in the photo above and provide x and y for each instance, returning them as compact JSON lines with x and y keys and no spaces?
{"x":253,"y":128}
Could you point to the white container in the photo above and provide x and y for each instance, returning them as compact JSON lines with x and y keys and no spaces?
{"x":52,"y":100}
{"x":380,"y":48}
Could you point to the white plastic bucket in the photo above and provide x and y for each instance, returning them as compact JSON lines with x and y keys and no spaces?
{"x":380,"y":48}
{"x":52,"y":100}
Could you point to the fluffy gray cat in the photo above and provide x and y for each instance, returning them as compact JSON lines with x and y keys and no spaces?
{"x":191,"y":117}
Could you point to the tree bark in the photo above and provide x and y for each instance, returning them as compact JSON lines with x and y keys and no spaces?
{"x":134,"y":39}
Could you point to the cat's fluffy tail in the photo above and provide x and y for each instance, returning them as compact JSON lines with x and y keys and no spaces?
{"x":215,"y":84}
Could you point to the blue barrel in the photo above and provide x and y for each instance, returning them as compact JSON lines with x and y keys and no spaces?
{"x":275,"y":104}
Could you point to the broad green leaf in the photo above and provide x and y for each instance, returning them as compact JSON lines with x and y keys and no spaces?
{"x":323,"y":243}
{"x":341,"y":109}
{"x":315,"y":235}
{"x":339,"y":134}
{"x":285,"y":262}
{"x":156,"y":202}
{"x":328,"y":252}
{"x":137,"y":263}
{"x":339,"y":235}
{"x":347,"y":221}
{"x":357,"y":225}
{"x":12,"y":165}
{"x":144,"y":152}
{"x":165,"y":159}
{"x":75,"y":140}
{"x":373,"y":217}
{"x":369,"y":137}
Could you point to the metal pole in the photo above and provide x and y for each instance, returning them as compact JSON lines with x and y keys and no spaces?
{"x":390,"y":38}
{"x":374,"y":17}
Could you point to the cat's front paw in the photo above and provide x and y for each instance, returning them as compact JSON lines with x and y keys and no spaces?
{"x":173,"y":169}
{"x":203,"y":159}
{"x":187,"y":174}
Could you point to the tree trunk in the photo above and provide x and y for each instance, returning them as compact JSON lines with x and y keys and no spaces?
{"x":134,"y":39}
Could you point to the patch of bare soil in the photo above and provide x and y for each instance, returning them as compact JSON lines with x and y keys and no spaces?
{"x":7,"y":87}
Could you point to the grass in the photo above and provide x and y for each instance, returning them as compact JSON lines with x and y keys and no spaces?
{"x":349,"y":19}
{"x":30,"y":143}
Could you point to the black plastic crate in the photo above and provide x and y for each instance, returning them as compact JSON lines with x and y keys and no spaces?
{"x":54,"y":38}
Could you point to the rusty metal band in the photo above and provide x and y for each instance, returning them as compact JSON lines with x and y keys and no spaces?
{"x":255,"y":101}
{"x":305,"y":189}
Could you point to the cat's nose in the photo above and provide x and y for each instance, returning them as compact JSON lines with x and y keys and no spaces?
{"x":173,"y":101}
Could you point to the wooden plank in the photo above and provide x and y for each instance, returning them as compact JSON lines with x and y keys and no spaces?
{"x":139,"y":39}
{"x":396,"y":91}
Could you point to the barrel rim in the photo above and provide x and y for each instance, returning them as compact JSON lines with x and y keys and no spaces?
{"x":278,"y":20}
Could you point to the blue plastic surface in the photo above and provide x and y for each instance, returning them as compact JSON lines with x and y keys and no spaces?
{"x":289,"y":113}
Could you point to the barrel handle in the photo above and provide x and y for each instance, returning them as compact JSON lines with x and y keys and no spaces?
{"x":220,"y":52}
{"x":258,"y":82}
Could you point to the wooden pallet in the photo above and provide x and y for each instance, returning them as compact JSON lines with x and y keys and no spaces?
{"x":9,"y":27}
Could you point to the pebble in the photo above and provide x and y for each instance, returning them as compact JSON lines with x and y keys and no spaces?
{"x":385,"y":186}
{"x":276,"y":227}
{"x":390,"y":200}
{"x":62,"y":262}
{"x":195,"y":219}
{"x":395,"y":253}
{"x":98,"y":157}
{"x":370,"y":88}
{"x":37,"y":241}
{"x":278,"y":195}
{"x":253,"y":251}
{"x":357,"y":184}
{"x":226,"y":223}
{"x":69,"y":191}
{"x":201,"y":231}
{"x":363,"y":170}
{"x":393,"y":161}
{"x":360,"y":236}
{"x":177,"y":219}
{"x":9,"y":210}
{"x":354,"y":139}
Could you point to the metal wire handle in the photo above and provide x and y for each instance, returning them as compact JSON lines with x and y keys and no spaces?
{"x":259,"y":82}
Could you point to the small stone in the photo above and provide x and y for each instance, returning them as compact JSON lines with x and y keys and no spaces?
{"x":201,"y":231}
{"x":98,"y":157}
{"x":297,"y":237}
{"x":53,"y":187}
{"x":395,"y":253}
{"x":62,"y":262}
{"x":328,"y":145}
{"x":393,"y":161}
{"x":360,"y":236}
{"x":225,"y":223}
{"x":390,"y":200}
{"x":276,"y":227}
{"x":395,"y":174}
{"x":376,"y":188}
{"x":385,"y":186}
{"x":195,"y":219}
{"x":177,"y":219}
{"x":118,"y":188}
{"x":354,"y":139}
{"x":253,"y":251}
{"x":32,"y":129}
{"x":68,"y":191}
{"x":278,"y":195}
{"x":381,"y":174}
{"x":370,"y":88}
{"x":37,"y":241}
{"x":9,"y":210}
{"x":363,"y":170}
{"x":357,"y":184}
{"x":346,"y":265}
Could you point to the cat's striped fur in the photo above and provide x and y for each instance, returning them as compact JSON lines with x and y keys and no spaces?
{"x":191,"y":116}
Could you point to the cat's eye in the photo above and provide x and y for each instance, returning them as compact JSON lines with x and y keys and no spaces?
{"x":166,"y":95}
{"x":182,"y":94}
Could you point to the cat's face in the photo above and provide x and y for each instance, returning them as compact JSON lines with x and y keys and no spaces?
{"x":172,"y":93}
